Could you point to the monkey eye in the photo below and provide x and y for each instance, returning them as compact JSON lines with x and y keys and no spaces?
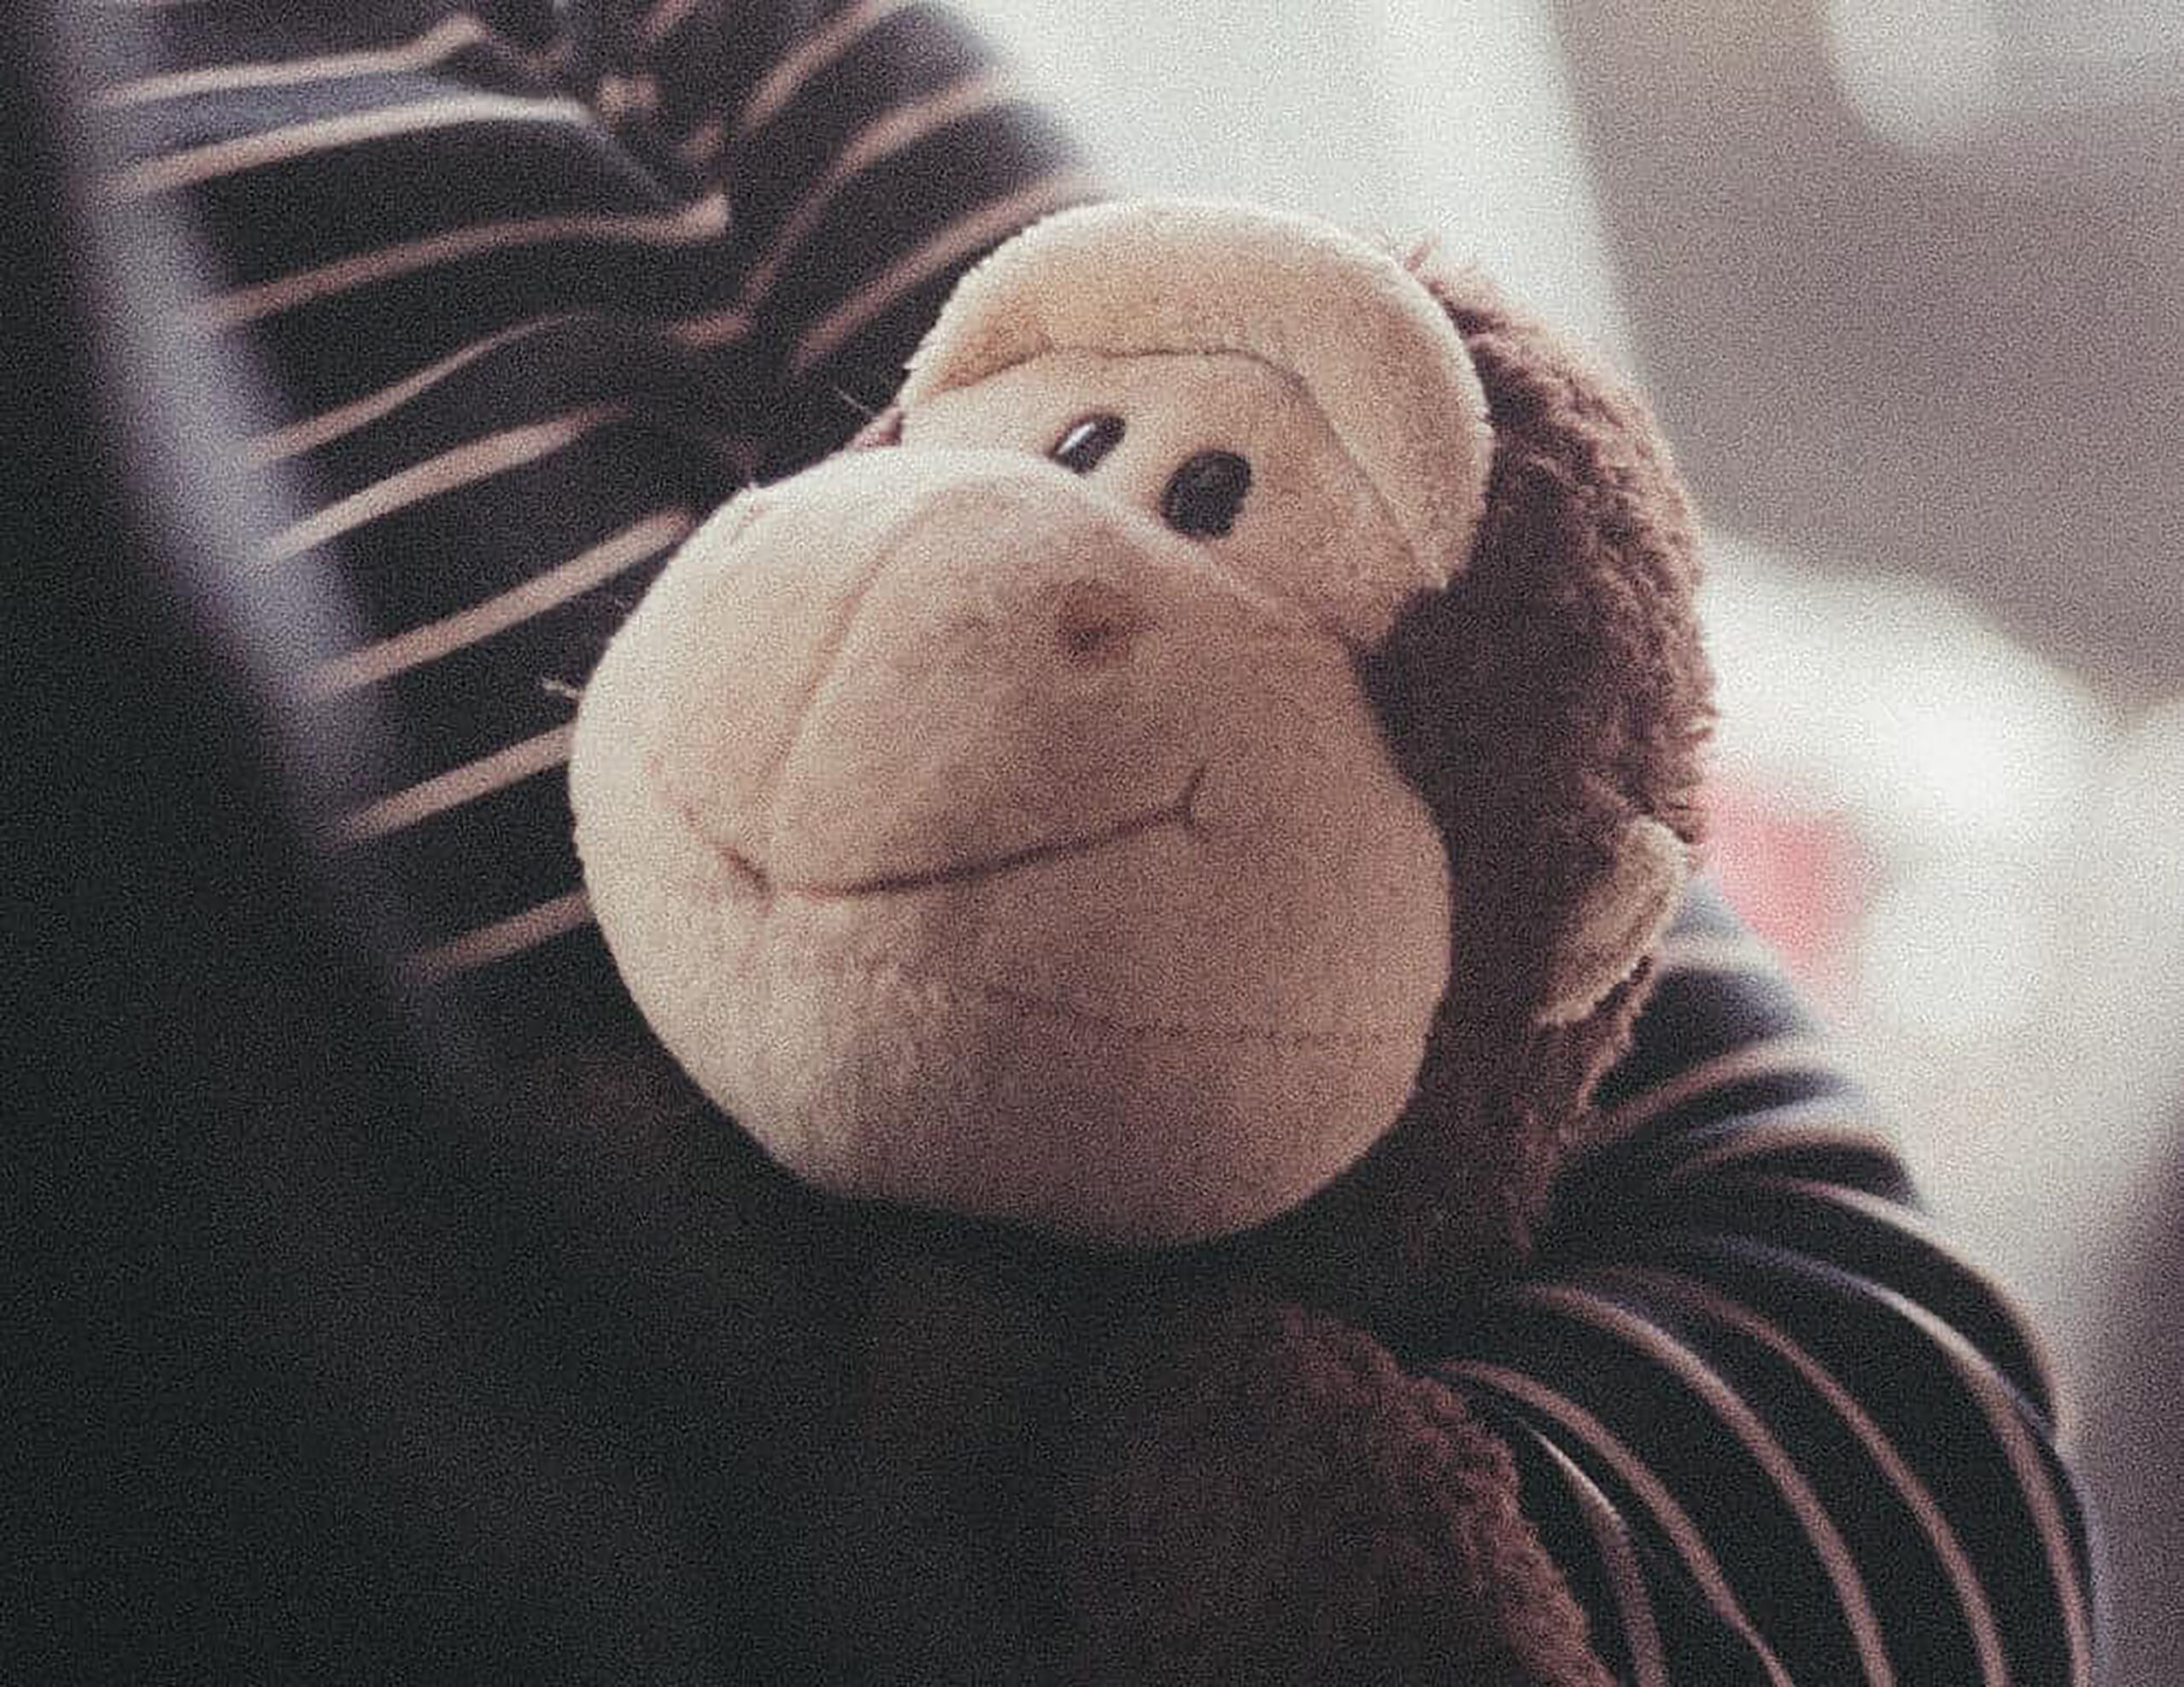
{"x":1081,"y":448}
{"x":1203,"y":495}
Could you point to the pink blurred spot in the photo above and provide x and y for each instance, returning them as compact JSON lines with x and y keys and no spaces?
{"x":1800,"y":877}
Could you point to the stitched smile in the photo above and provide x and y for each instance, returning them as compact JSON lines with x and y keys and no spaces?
{"x":1180,"y":811}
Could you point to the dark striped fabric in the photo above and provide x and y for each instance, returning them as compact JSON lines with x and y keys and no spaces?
{"x":537,"y":289}
{"x":1776,"y":1428}
{"x":538,"y":286}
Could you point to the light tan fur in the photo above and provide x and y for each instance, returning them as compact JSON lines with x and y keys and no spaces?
{"x":983,"y":844}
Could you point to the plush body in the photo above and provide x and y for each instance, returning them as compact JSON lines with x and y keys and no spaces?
{"x":1168,"y":837}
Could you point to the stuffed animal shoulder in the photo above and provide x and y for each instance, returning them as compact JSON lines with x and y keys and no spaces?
{"x":1030,"y":819}
{"x":1194,"y":799}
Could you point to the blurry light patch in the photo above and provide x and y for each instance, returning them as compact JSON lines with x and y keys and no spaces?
{"x":2132,"y":869}
{"x":1965,"y":751}
{"x":1933,"y":73}
{"x":1958,"y":950}
{"x":2143,"y":805}
{"x":1920,"y":72}
{"x":1957,"y":770}
{"x":1892,"y":703}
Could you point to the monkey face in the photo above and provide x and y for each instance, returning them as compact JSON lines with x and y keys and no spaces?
{"x":996,"y":823}
{"x":999,"y":822}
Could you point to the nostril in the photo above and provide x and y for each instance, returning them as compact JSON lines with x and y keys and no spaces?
{"x":1096,"y":623}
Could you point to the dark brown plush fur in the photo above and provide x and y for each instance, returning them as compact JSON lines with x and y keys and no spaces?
{"x":1557,"y":688}
{"x":1014,"y":1462}
{"x":1264,"y":1494}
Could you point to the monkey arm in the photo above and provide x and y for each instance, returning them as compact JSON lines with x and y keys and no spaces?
{"x":1758,"y":1409}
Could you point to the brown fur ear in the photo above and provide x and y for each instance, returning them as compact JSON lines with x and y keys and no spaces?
{"x":1617,"y":921}
{"x":1555,"y":692}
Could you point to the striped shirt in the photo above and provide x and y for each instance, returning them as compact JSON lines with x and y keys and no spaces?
{"x":536,"y":285}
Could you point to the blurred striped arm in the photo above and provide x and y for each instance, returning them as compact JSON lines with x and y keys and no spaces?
{"x":534,"y":288}
{"x":1775,"y":1430}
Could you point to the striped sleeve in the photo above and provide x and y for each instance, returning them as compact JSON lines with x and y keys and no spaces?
{"x":534,"y":284}
{"x":873,"y":149}
{"x":1775,"y":1430}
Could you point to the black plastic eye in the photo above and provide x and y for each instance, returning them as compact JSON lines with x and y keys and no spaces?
{"x":1079,"y":450}
{"x":1203,"y":495}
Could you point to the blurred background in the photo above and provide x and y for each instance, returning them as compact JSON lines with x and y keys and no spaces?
{"x":1905,"y":279}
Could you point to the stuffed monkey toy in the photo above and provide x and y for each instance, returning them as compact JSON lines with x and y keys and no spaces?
{"x":1188,"y":803}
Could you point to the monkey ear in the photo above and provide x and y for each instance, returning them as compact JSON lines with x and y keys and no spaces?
{"x":1616,"y":924}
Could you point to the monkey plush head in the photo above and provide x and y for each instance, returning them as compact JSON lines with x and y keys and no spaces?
{"x":1217,"y":766}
